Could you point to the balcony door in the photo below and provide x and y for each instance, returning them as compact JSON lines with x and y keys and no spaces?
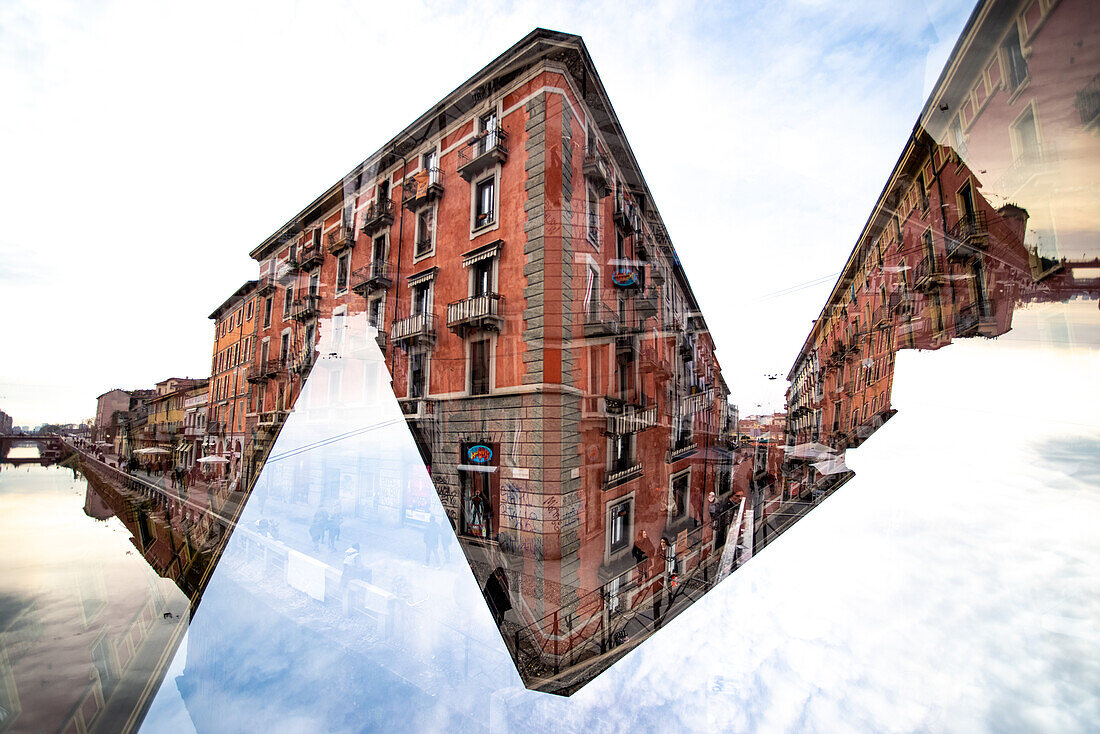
{"x":483,"y":277}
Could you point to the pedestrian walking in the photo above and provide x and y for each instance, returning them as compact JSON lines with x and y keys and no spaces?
{"x":318,"y":526}
{"x":431,"y":542}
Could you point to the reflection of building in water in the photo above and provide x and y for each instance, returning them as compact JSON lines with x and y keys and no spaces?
{"x":986,"y":209}
{"x":84,"y":651}
{"x":505,"y":253}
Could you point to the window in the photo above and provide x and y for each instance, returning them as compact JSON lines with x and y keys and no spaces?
{"x":622,"y":452}
{"x":342,"y":274}
{"x":378,"y":257}
{"x":593,"y":216}
{"x":966,"y":199}
{"x":958,"y":138}
{"x":421,"y":299}
{"x":284,"y":347}
{"x":339,"y":321}
{"x":248,"y":315}
{"x":288,"y":300}
{"x":1015,"y":64}
{"x":479,"y":367}
{"x":484,"y":203}
{"x":374,"y":313}
{"x":482,"y":275}
{"x":678,"y":504}
{"x":618,"y":527}
{"x":267,"y":311}
{"x":314,"y":283}
{"x":489,"y":129}
{"x":263,"y":352}
{"x":1025,"y":138}
{"x":417,"y":374}
{"x":316,"y":237}
{"x":425,"y":232}
{"x":922,"y":189}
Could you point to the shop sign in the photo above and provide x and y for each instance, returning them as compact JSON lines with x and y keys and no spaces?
{"x":624,"y":278}
{"x":480,"y":454}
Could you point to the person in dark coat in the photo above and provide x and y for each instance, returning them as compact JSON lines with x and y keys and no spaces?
{"x":496,"y":595}
{"x":317,"y":527}
{"x":431,"y":542}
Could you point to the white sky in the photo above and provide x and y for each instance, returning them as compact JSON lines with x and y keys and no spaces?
{"x":145,"y":148}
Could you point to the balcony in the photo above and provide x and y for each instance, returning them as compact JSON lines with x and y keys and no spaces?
{"x":423,"y":188}
{"x":308,"y":258}
{"x":265,"y":371}
{"x":631,"y":419}
{"x":967,"y":238}
{"x":266,"y":285}
{"x":653,"y":360}
{"x":477,"y":313}
{"x":696,"y":402}
{"x":483,"y":151}
{"x":374,"y":277}
{"x":883,"y":317}
{"x":901,"y":303}
{"x":1032,"y":162}
{"x":305,"y":308}
{"x":687,"y":347}
{"x":626,"y":214}
{"x":414,"y":329}
{"x":967,"y":320}
{"x":378,"y":216}
{"x":1087,"y":102}
{"x":304,"y":361}
{"x":597,"y":170}
{"x":339,"y":240}
{"x":677,"y":453}
{"x":929,"y":273}
{"x":647,"y":305}
{"x":417,"y":409}
{"x":601,"y":321}
{"x":269,"y":420}
{"x":615,"y":477}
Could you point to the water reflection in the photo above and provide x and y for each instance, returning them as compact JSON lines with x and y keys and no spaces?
{"x":86,"y":622}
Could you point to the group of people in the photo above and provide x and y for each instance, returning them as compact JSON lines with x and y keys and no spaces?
{"x":325,"y":527}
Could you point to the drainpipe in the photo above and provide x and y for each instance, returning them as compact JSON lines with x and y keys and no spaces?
{"x":943,"y":212}
{"x":397,"y":265}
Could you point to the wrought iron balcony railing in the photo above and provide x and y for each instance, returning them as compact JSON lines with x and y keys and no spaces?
{"x":373,"y":277}
{"x":928,"y":273}
{"x":305,"y":308}
{"x":423,"y":188}
{"x":379,"y":215}
{"x":307,"y":258}
{"x":339,"y":240}
{"x":967,"y":237}
{"x":596,"y":169}
{"x":484,"y":150}
{"x":967,"y":320}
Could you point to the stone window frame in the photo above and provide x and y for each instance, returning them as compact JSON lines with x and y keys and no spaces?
{"x":609,"y":554}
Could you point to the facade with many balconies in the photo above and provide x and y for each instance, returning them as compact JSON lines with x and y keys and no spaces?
{"x":505,"y":254}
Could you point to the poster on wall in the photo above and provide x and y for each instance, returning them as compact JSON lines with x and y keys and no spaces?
{"x":418,"y":501}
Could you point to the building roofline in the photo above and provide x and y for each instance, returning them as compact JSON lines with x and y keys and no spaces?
{"x":230,"y":302}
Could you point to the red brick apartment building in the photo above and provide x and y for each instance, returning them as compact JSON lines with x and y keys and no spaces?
{"x":505,"y":253}
{"x":991,"y":204}
{"x":227,"y":428}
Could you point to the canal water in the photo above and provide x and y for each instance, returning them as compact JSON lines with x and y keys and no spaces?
{"x":85,"y":621}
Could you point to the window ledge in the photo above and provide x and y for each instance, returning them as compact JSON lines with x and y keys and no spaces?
{"x":1015,"y":93}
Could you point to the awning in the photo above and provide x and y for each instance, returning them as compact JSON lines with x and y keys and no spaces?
{"x":485,"y":252}
{"x":422,"y":277}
